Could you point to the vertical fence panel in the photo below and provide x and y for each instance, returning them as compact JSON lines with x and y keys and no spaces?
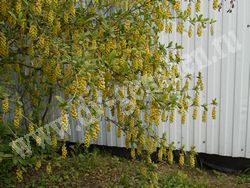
{"x":246,"y":47}
{"x":227,"y":83}
{"x":241,"y":83}
{"x":213,"y":84}
{"x":188,"y":45}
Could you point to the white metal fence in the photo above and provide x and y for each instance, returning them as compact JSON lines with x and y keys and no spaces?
{"x":224,"y":60}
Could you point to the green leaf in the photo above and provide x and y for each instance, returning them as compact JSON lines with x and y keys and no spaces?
{"x":170,"y":44}
{"x":60,"y":99}
{"x":112,"y":55}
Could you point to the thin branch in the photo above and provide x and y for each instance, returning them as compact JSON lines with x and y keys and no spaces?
{"x":47,"y":107}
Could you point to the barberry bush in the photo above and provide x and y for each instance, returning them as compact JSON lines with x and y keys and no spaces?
{"x":104,"y":56}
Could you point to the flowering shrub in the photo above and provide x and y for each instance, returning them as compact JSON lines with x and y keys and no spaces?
{"x":102,"y":55}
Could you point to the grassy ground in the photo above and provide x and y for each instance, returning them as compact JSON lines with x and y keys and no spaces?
{"x":98,"y":169}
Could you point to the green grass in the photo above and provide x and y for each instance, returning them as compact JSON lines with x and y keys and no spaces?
{"x":181,"y":180}
{"x":99,"y":169}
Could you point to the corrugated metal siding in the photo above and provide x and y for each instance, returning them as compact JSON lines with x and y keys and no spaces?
{"x":227,"y":79}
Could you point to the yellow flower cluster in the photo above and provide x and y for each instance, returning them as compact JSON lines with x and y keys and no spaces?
{"x":66,"y":17}
{"x":64,"y":120}
{"x":137,"y":63}
{"x":127,"y":25}
{"x":101,"y":84}
{"x":18,"y":116}
{"x":19,"y":175}
{"x":72,"y":10}
{"x":73,"y":111}
{"x":182,"y":156}
{"x":4,"y":7}
{"x":180,"y":27}
{"x":215,"y":4}
{"x":199,"y":30}
{"x":64,"y":151}
{"x":195,"y":113}
{"x":151,"y":145}
{"x":18,"y":6}
{"x":94,"y":131}
{"x":38,"y":140}
{"x":5,"y":104}
{"x":58,"y":71}
{"x":38,"y":165}
{"x":182,"y":159}
{"x":214,"y":113}
{"x":31,"y":127}
{"x":33,"y":31}
{"x":163,"y":116}
{"x":177,"y":6}
{"x":11,"y":21}
{"x":42,"y":41}
{"x":68,"y":72}
{"x":189,"y":9}
{"x":198,"y":5}
{"x":204,"y":116}
{"x":200,"y":83}
{"x":168,"y":12}
{"x":192,"y":161}
{"x":4,"y":48}
{"x":171,"y":116}
{"x":186,"y":85}
{"x":141,"y":139}
{"x":190,"y":31}
{"x":78,"y":87}
{"x":134,"y":133}
{"x":94,"y":95}
{"x":86,"y":139}
{"x":154,"y":113}
{"x":192,"y":157}
{"x":128,"y":139}
{"x":48,"y":168}
{"x":183,"y":118}
{"x":131,"y":121}
{"x":37,"y":7}
{"x":170,"y":153}
{"x":54,"y":140}
{"x":56,"y":27}
{"x":196,"y":100}
{"x":160,"y":154}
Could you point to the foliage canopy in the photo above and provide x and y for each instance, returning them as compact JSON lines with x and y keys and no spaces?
{"x":103,"y":56}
